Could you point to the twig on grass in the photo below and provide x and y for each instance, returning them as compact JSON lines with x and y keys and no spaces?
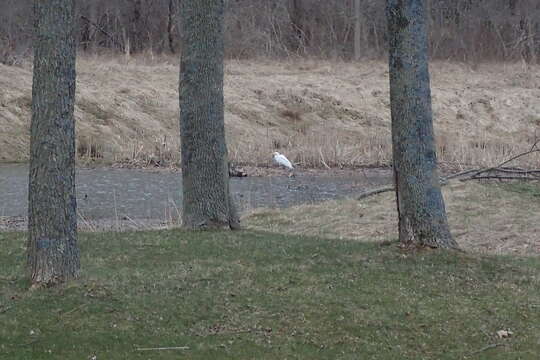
{"x":164,"y":348}
{"x":375,"y":192}
{"x":487,"y":347}
{"x":74,"y":310}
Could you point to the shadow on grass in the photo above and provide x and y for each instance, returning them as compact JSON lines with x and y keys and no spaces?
{"x":253,"y":295}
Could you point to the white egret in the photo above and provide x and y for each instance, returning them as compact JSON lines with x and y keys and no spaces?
{"x":281,"y":160}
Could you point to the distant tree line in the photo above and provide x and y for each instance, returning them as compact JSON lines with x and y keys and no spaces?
{"x":463,"y":30}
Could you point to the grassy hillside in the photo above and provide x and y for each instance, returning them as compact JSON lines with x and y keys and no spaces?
{"x":253,"y":295}
{"x":318,"y":113}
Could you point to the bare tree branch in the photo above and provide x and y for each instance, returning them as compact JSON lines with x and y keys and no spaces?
{"x":103,"y":31}
{"x":534,"y":148}
{"x":518,"y":173}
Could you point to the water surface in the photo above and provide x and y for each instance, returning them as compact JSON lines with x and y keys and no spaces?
{"x":106,"y":192}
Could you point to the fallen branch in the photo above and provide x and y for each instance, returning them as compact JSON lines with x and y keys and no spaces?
{"x":462,"y":173}
{"x":444,"y":181}
{"x":534,"y":148}
{"x":375,"y":192}
{"x":514,"y":174}
{"x":164,"y":348}
{"x":518,"y":171}
{"x":512,"y":168}
{"x":501,"y":177}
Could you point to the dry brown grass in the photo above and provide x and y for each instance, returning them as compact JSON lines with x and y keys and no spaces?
{"x":11,"y":224}
{"x":484,"y":218}
{"x":317,"y":113}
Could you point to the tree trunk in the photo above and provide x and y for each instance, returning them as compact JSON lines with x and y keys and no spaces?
{"x":531,"y":45}
{"x":207,"y":201}
{"x":421,"y":210}
{"x":136,"y":26}
{"x":53,"y":255}
{"x":357,"y":30}
{"x":170,"y":26}
{"x":297,"y":14}
{"x":85,"y":30}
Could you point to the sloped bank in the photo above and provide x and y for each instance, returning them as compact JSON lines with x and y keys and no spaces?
{"x":318,"y":113}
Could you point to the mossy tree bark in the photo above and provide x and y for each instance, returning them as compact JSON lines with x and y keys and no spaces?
{"x":422,"y":214}
{"x":53,"y":254}
{"x":207,"y":202}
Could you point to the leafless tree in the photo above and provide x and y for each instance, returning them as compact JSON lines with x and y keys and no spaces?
{"x":420,"y":205}
{"x":462,"y":30}
{"x":205,"y":173}
{"x":53,"y":254}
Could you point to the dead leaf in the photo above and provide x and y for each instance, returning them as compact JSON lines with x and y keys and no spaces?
{"x":502,"y":334}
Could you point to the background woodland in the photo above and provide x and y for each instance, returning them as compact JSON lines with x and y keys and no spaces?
{"x":460,"y":30}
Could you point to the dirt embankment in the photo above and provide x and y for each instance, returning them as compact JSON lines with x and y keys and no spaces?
{"x":318,"y":113}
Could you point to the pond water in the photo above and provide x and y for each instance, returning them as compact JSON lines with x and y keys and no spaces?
{"x":106,"y":192}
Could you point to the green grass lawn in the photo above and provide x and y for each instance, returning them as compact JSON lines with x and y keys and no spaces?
{"x":253,"y":295}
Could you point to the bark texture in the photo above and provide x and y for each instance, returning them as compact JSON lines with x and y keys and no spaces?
{"x":171,"y":17}
{"x":53,"y":254}
{"x":207,"y":201}
{"x":357,"y":29}
{"x":136,"y":29}
{"x":422,"y":214}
